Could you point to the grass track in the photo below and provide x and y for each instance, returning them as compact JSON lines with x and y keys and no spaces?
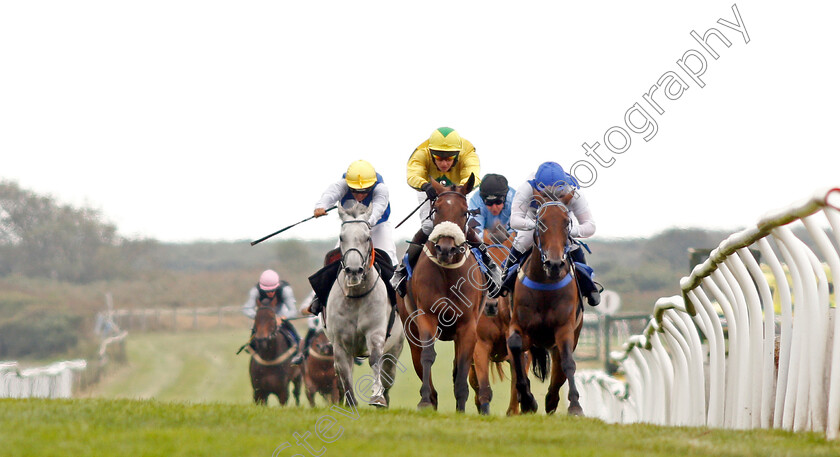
{"x":203,"y":366}
{"x":98,"y":427}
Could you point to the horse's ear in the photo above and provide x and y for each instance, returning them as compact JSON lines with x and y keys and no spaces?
{"x":468,"y":186}
{"x":440,"y":188}
{"x":367,"y":212}
{"x":567,"y":198}
{"x":342,"y":213}
{"x":539,"y":197}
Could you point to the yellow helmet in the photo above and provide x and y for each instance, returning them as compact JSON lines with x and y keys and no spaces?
{"x":360,"y":175}
{"x":445,"y":139}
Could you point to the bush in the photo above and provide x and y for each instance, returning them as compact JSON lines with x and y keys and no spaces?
{"x":39,"y":332}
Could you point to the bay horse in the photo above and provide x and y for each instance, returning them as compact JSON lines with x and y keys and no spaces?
{"x":271,"y":368}
{"x":493,"y":325}
{"x":547,"y":308}
{"x":444,"y":297}
{"x":359,"y":317}
{"x":319,"y":370}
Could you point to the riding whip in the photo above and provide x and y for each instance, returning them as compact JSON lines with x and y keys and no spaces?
{"x":287,"y":228}
{"x":412,"y":213}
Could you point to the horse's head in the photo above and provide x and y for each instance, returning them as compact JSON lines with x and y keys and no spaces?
{"x":265,"y":328}
{"x":449,"y":215}
{"x":355,"y":243}
{"x":552,"y":232}
{"x":322,"y":345}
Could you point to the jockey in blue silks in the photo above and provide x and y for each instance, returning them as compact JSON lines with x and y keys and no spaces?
{"x":523,"y":219}
{"x":492,"y":203}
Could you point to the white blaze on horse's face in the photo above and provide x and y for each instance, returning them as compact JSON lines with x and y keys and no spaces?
{"x":355,"y":243}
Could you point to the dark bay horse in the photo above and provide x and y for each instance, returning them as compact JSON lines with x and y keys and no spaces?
{"x":319,"y":372}
{"x":492,"y":328}
{"x":271,"y":368}
{"x":547,"y":311}
{"x":444,"y":297}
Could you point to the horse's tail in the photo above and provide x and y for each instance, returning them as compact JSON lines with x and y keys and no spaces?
{"x":540,"y":363}
{"x":500,"y":373}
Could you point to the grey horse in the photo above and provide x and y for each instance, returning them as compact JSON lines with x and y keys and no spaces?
{"x":358,"y":312}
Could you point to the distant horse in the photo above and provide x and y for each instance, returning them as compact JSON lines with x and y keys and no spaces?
{"x":547,"y":308}
{"x":444,"y":298}
{"x":271,"y":369}
{"x":319,"y":370}
{"x":493,"y":325}
{"x":358,"y":311}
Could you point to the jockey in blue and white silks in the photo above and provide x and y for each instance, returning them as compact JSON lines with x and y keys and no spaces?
{"x":361,"y":184}
{"x":372,"y":192}
{"x":523,"y":219}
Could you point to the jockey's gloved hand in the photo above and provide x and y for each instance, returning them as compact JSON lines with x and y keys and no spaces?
{"x":429,"y":190}
{"x":574,"y":229}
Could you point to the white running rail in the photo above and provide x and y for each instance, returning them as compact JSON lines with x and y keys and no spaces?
{"x":52,"y":381}
{"x":771,"y":361}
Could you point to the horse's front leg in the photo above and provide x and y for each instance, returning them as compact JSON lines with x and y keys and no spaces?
{"x":481,"y":365}
{"x":564,"y":368}
{"x":343,"y":363}
{"x":567,"y":363}
{"x":375,"y":343}
{"x":465,"y":339}
{"x":558,"y":378}
{"x":516,"y":346}
{"x":427,"y":359}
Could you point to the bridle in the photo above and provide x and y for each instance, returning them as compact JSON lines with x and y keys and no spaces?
{"x":367,"y":259}
{"x":452,"y":192}
{"x":538,"y":230}
{"x":276,"y":327}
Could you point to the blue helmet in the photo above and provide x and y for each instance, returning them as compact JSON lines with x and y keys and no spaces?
{"x":551,"y":174}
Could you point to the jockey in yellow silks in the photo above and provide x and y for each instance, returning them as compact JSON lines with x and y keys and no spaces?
{"x":449,"y":159}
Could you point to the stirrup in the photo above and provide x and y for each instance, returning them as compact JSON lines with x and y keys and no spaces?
{"x":297,"y":359}
{"x":315,"y":306}
{"x":496,"y":281}
{"x":398,"y":281}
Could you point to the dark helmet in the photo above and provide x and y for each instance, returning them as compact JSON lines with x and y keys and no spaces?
{"x":493,"y":185}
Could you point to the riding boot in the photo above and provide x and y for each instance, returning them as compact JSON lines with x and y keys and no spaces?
{"x":588,"y":287}
{"x":508,"y":277}
{"x":493,"y":273}
{"x":315,"y":306}
{"x":412,"y":254}
{"x":301,"y":355}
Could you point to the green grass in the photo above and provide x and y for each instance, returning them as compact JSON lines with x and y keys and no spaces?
{"x":203,"y":367}
{"x":98,"y":427}
{"x":198,"y":402}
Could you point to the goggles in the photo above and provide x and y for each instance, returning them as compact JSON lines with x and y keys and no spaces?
{"x":366,"y":190}
{"x":491,"y":201}
{"x":444,"y":155}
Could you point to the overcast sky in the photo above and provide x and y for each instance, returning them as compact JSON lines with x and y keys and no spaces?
{"x":210,"y":120}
